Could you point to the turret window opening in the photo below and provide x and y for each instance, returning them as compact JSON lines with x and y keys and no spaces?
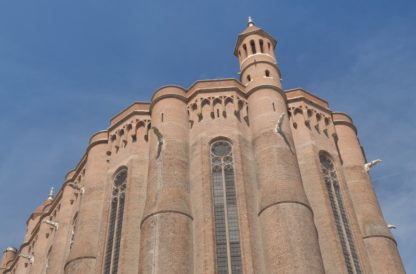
{"x":340,"y":216}
{"x":245,"y":50}
{"x":115,"y":222}
{"x":227,"y":232}
{"x":248,"y":78}
{"x":261,"y":46}
{"x":253,"y":47}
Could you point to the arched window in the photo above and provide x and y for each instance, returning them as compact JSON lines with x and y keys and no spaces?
{"x":261,"y":46}
{"x":227,"y":232}
{"x":340,"y":215}
{"x":115,"y":222}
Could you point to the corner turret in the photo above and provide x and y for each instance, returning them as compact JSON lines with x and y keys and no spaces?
{"x":255,"y":52}
{"x":9,"y":254}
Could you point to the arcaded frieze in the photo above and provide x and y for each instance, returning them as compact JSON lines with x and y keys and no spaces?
{"x":132,"y":131}
{"x":214,"y":106}
{"x":316,"y":119}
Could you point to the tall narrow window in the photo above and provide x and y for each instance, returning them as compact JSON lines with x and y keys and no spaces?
{"x":261,"y":46}
{"x":227,"y":232}
{"x":340,"y":216}
{"x":245,"y":50}
{"x":115,"y":223}
{"x":253,"y":47}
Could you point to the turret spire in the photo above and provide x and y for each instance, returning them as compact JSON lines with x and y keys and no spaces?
{"x":250,"y":21}
{"x":50,"y":196}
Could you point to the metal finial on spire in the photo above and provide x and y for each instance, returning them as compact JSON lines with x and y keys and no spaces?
{"x":250,"y":21}
{"x":50,"y":196}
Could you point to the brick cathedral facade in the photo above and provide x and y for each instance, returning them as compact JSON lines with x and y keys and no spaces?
{"x":227,"y":176}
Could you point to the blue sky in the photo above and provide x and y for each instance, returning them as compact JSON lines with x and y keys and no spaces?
{"x":67,"y":67}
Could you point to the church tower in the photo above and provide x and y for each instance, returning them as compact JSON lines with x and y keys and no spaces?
{"x":288,"y":230}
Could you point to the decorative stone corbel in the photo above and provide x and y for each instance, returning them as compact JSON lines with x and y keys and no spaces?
{"x":51,"y":223}
{"x":30,"y":258}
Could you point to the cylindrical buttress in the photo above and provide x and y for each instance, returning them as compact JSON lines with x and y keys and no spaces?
{"x":82,"y":257}
{"x":289,"y":233}
{"x":380,"y":244}
{"x":166,"y":239}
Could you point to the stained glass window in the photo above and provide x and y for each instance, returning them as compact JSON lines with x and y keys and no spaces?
{"x":340,"y":216}
{"x":115,"y":223}
{"x":227,"y":233}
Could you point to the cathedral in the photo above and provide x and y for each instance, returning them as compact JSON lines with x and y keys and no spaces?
{"x":228,"y":176}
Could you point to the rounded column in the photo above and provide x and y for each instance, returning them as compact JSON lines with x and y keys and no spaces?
{"x":61,"y":240}
{"x":289,"y":232}
{"x":82,"y":257}
{"x":380,"y":244}
{"x":166,"y":227}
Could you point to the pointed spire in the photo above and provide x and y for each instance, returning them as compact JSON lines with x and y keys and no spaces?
{"x":250,"y":21}
{"x":50,"y":196}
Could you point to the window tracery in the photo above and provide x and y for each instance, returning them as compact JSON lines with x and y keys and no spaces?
{"x":115,"y":223}
{"x":227,"y":233}
{"x":340,"y":216}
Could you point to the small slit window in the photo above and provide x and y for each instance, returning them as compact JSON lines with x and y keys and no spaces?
{"x":248,"y":78}
{"x":267,"y":73}
{"x":74,"y":226}
{"x":48,"y":257}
